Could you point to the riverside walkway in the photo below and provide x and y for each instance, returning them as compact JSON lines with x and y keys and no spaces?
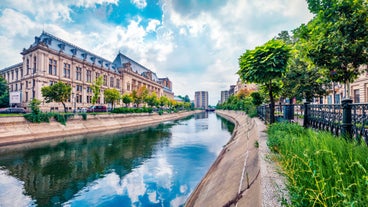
{"x":241,"y":175}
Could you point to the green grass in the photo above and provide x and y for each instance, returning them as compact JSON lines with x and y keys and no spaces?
{"x":5,"y":115}
{"x":321,"y":170}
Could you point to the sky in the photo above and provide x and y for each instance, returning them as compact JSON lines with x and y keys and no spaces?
{"x":195,"y":43}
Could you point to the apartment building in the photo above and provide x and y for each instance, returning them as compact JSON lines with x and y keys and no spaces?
{"x":201,"y":99}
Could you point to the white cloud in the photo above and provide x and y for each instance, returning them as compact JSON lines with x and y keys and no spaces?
{"x":139,"y":3}
{"x":12,"y":191}
{"x":197,"y":44}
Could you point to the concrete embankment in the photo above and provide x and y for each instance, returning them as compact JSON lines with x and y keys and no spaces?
{"x":16,"y":130}
{"x":241,"y":175}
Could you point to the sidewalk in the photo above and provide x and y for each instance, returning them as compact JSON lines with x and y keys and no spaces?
{"x":241,"y":175}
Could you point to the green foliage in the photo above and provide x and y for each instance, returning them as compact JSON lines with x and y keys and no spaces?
{"x":4,"y":93}
{"x":240,"y":103}
{"x":336,"y":38}
{"x":257,"y":98}
{"x":322,"y":170}
{"x":35,"y":106}
{"x":84,"y":116}
{"x":265,"y":65}
{"x":36,"y":115}
{"x":111,"y":95}
{"x":58,"y":92}
{"x":124,"y":110}
{"x":127,"y":99}
{"x":96,"y":87}
{"x":38,"y":118}
{"x":63,"y":118}
{"x":152,"y":99}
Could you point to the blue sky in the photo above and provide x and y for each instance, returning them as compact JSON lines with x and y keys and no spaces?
{"x":196,"y":43}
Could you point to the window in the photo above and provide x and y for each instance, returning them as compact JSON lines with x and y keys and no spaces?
{"x":111,"y":81}
{"x":117,"y":83}
{"x":78,"y":74}
{"x":89,"y":99}
{"x":21,"y":72}
{"x":97,"y":75}
{"x":34,"y":64}
{"x":105,"y":80}
{"x":52,"y":67}
{"x":12,"y":74}
{"x":79,"y":98}
{"x":356,"y":96}
{"x":128,"y":86}
{"x":52,"y":83}
{"x":27,"y":96}
{"x":66,"y":70}
{"x":16,"y":74}
{"x":16,"y":87}
{"x":79,"y":88}
{"x":27,"y":65}
{"x":89,"y":76}
{"x":89,"y":89}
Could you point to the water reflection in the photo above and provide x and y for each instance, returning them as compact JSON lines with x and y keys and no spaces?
{"x":157,"y":166}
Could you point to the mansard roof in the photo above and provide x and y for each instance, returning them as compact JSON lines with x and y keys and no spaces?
{"x":67,"y":48}
{"x":140,"y":69}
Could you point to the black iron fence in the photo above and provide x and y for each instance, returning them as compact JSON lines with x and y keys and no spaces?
{"x":346,"y":119}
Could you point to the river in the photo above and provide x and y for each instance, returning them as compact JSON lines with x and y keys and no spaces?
{"x":154,"y":166}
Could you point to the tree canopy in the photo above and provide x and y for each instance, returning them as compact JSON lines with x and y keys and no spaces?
{"x":96,"y":88}
{"x":111,"y":95}
{"x":336,"y":38}
{"x":58,"y":92}
{"x":264,"y":65}
{"x":4,"y":93}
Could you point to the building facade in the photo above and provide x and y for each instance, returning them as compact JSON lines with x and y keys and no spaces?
{"x":50,"y":59}
{"x":224,"y":96}
{"x":201,"y":99}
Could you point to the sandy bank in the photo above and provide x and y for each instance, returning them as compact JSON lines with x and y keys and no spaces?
{"x":241,"y":175}
{"x":16,"y":130}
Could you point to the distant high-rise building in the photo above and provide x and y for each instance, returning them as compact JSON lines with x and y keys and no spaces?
{"x":224,"y":96}
{"x":232,"y":90}
{"x":201,"y":99}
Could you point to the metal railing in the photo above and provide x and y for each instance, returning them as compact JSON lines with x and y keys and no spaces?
{"x":347,"y":119}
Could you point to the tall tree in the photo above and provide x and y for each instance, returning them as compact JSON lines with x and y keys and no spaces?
{"x":265,"y":65}
{"x":96,"y":89}
{"x":336,"y":38}
{"x":140,"y":95}
{"x":111,"y":95}
{"x":58,"y":92}
{"x":4,"y":93}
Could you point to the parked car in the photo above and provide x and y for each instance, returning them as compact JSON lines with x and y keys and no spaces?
{"x":97,"y":109}
{"x":82,"y":110}
{"x":13,"y":111}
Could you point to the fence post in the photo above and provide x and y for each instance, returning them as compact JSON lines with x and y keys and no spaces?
{"x":346,"y":126}
{"x":305,"y":120}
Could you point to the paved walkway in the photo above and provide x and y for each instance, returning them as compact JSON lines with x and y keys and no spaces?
{"x":241,"y":175}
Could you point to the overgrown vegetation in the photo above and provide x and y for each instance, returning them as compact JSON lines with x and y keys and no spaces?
{"x":245,"y":100}
{"x":322,"y":170}
{"x":124,"y":110}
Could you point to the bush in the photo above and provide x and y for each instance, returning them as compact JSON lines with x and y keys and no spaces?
{"x":322,"y":170}
{"x":63,"y":118}
{"x":38,"y":118}
{"x":84,"y":116}
{"x":125,"y":110}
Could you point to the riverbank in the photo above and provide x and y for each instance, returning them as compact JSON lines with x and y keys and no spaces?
{"x":17,"y":130}
{"x":241,"y":174}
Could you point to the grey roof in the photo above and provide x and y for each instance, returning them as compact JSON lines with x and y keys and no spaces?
{"x":58,"y":44}
{"x":121,"y":59}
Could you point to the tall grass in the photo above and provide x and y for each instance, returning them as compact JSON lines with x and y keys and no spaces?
{"x":321,"y":170}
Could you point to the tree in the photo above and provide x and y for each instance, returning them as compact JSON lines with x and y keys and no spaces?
{"x":4,"y":93}
{"x":127,"y":99}
{"x":336,"y":38}
{"x":152,"y":99}
{"x":111,"y":95}
{"x":257,"y":98}
{"x":58,"y":92}
{"x":164,"y":101}
{"x":140,"y":95}
{"x":96,"y":88}
{"x":265,"y":65}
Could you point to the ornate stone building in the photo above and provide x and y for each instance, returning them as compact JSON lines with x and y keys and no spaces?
{"x":50,"y":59}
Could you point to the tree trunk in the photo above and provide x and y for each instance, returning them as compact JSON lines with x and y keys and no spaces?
{"x":64,"y":107}
{"x":272,"y":104}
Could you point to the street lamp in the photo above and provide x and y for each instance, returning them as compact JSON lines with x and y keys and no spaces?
{"x":73,"y":102}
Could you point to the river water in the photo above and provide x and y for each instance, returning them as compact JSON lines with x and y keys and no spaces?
{"x":154,"y":166}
